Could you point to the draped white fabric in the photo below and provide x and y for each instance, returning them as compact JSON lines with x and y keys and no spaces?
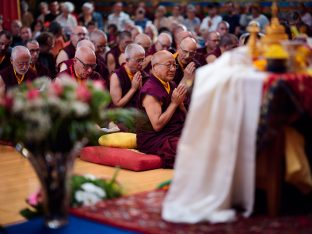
{"x":215,"y":163}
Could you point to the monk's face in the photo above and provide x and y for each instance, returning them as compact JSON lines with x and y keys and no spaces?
{"x":78,"y":34}
{"x":135,"y":62}
{"x":21,"y":63}
{"x":124,"y":42}
{"x":100,"y":45}
{"x":4,"y":44}
{"x":186,"y":52}
{"x":34,"y":51}
{"x":85,"y":65}
{"x":165,"y":69}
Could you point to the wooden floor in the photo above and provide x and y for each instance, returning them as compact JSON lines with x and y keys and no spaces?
{"x":18,"y":180}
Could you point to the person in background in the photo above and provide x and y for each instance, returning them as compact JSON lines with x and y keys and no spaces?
{"x":223,"y":28}
{"x":140,"y":19}
{"x":56,"y":29}
{"x":5,"y":50}
{"x":118,"y":17}
{"x":27,"y":16}
{"x":145,"y":41}
{"x":44,"y":10}
{"x":151,"y":31}
{"x":192,"y":23}
{"x":162,"y":103}
{"x":54,"y":12}
{"x":16,"y":26}
{"x":210,"y":22}
{"x":176,"y":14}
{"x":18,"y":71}
{"x":26,"y":34}
{"x":37,"y":67}
{"x":89,"y":15}
{"x":66,"y":19}
{"x":160,"y":19}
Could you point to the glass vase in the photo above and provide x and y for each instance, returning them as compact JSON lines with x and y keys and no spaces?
{"x":54,"y":170}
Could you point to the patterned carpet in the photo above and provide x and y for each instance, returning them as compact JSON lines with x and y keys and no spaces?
{"x":142,"y":213}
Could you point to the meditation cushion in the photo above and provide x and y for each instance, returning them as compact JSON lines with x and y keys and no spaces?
{"x":119,"y":140}
{"x":125,"y":158}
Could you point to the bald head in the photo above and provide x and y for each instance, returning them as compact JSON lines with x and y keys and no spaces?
{"x":99,"y":39}
{"x":85,"y":43}
{"x":182,"y":35}
{"x":163,"y":65}
{"x":133,"y":49}
{"x":86,"y":53}
{"x":164,"y":41}
{"x":189,"y":42}
{"x":161,"y":56}
{"x":85,"y":62}
{"x":144,"y":41}
{"x":79,"y":33}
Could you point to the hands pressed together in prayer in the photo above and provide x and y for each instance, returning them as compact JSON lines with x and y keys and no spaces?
{"x":179,"y":94}
{"x":189,"y":74}
{"x":136,"y":82}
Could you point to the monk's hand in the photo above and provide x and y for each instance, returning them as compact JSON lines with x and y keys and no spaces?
{"x":137,"y":81}
{"x":178,"y":94}
{"x":189,"y":71}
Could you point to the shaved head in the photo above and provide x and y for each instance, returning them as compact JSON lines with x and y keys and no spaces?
{"x":189,"y":42}
{"x":86,"y":43}
{"x":182,"y":35}
{"x":161,"y":56}
{"x":143,"y":40}
{"x":133,"y":49}
{"x":85,"y":62}
{"x":163,"y":65}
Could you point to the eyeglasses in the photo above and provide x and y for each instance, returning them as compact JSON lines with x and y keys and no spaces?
{"x":191,"y":53}
{"x":87,"y":66}
{"x":80,"y":34}
{"x":140,"y":60}
{"x":22,"y":64}
{"x":169,"y":65}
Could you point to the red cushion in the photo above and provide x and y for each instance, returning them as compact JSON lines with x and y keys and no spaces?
{"x":125,"y":158}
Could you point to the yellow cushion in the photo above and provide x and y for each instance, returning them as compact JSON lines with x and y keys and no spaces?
{"x":119,"y":140}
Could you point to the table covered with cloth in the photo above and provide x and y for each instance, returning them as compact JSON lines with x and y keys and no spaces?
{"x":232,"y":107}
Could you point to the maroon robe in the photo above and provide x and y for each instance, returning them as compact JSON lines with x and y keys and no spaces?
{"x":116,"y":53}
{"x":216,"y":52}
{"x":102,"y":69}
{"x":10,"y":80}
{"x":70,"y":50}
{"x":164,"y":142}
{"x":99,"y":68}
{"x":125,"y":84}
{"x":41,"y":70}
{"x":180,"y":71}
{"x":6,"y":62}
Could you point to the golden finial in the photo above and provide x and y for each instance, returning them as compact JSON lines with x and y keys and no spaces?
{"x":253,"y":30}
{"x":275,"y":32}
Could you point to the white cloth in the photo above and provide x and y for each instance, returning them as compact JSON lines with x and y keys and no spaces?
{"x":119,"y":20}
{"x":214,"y":23}
{"x":215,"y":165}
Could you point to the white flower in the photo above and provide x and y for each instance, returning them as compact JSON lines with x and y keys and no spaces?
{"x":90,"y":176}
{"x":86,"y":198}
{"x":91,"y":188}
{"x":80,"y":108}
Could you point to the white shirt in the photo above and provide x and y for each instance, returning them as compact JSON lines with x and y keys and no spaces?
{"x":214,"y":23}
{"x":119,"y":20}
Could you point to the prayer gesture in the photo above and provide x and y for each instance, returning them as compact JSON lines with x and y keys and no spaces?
{"x":189,"y":71}
{"x":178,"y":94}
{"x":136,"y":82}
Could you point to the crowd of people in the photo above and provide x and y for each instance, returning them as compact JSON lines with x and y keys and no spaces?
{"x":147,"y":59}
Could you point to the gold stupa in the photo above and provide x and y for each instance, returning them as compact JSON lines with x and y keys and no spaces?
{"x":275,"y":32}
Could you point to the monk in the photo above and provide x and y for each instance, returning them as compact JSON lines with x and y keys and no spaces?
{"x":79,"y":33}
{"x":83,"y":67}
{"x":164,"y":41}
{"x":146,"y":42}
{"x":126,"y":82}
{"x":185,"y":58}
{"x":163,"y":105}
{"x":5,"y":53}
{"x":35,"y":65}
{"x":18,"y":71}
{"x":116,"y":57}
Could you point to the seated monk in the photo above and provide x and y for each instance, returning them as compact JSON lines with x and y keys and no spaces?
{"x":163,"y":104}
{"x":18,"y":71}
{"x":146,"y":42}
{"x":126,"y":82}
{"x":83,"y":67}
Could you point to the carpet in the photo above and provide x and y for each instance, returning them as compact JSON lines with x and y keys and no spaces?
{"x":142,"y":213}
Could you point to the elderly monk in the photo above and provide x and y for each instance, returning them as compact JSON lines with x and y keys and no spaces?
{"x":83,"y":67}
{"x":116,"y":57}
{"x":185,"y":59}
{"x":126,"y":82}
{"x":146,"y":42}
{"x":164,"y":41}
{"x":35,"y":65}
{"x":162,"y":102}
{"x":227,"y":42}
{"x":5,"y":53}
{"x":99,"y":39}
{"x":79,"y":33}
{"x":18,"y":71}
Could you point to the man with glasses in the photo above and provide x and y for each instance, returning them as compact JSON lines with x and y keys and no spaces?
{"x":146,"y":42}
{"x":185,"y":58}
{"x":83,"y":67}
{"x":126,"y":82}
{"x":163,"y":42}
{"x":163,"y":106}
{"x":5,"y":53}
{"x":79,"y":33}
{"x":212,"y":46}
{"x":35,"y":65}
{"x":18,"y":71}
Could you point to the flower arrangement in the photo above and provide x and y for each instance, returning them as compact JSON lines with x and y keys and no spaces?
{"x":86,"y":190}
{"x":55,"y":114}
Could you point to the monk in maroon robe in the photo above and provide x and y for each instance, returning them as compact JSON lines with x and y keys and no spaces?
{"x":163,"y":105}
{"x":126,"y":82}
{"x":5,"y":54}
{"x":18,"y":71}
{"x":115,"y":57}
{"x":83,"y":66}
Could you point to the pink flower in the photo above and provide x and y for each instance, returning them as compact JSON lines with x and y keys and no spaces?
{"x":83,"y":93}
{"x":57,"y":89}
{"x":33,"y":94}
{"x":35,"y":198}
{"x":99,"y":85}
